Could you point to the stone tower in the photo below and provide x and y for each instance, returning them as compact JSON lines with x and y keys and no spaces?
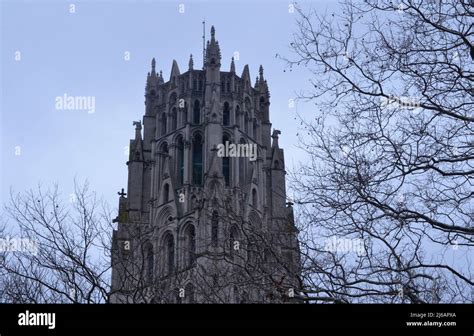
{"x":205,"y":218}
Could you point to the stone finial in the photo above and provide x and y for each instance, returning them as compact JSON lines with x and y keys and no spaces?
{"x":138,"y":125}
{"x":122,"y":193}
{"x":275,"y":137}
{"x":232,"y":65}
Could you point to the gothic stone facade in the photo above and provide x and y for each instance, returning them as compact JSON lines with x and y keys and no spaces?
{"x":196,"y":225}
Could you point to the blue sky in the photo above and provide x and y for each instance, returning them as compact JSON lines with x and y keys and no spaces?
{"x":84,"y":54}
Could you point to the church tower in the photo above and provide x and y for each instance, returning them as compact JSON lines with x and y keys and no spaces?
{"x":205,"y":217}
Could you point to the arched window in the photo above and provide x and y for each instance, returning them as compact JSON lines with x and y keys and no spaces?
{"x":242,"y":168}
{"x":184,"y":115}
{"x":226,"y":163}
{"x":255,"y":129}
{"x":246,"y":123}
{"x":248,"y":109}
{"x":226,"y":114}
{"x":214,"y":228}
{"x":197,"y":160}
{"x":189,"y":293}
{"x":200,"y":85}
{"x":164,"y":148}
{"x":233,"y":241}
{"x":190,"y":245}
{"x":172,"y":99}
{"x":180,"y":167}
{"x":228,"y":86}
{"x":166,"y":193}
{"x":254,"y":197}
{"x":163,"y":123}
{"x":237,"y":116}
{"x":150,"y":262}
{"x":262,"y":103}
{"x":196,"y":113}
{"x":169,"y":253}
{"x":164,"y":152}
{"x":174,"y":119}
{"x":195,"y":87}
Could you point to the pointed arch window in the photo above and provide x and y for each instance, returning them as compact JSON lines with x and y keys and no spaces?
{"x":184,"y":120}
{"x":190,"y":245}
{"x":163,"y":123}
{"x":226,"y":168}
{"x":180,"y":161}
{"x":174,"y":119}
{"x":242,"y":168}
{"x":166,"y":193}
{"x":237,"y":116}
{"x":246,"y":123}
{"x":233,"y":240}
{"x":196,"y":112}
{"x":164,"y":148}
{"x":197,"y":160}
{"x":150,"y":262}
{"x":226,"y":114}
{"x":214,"y":228}
{"x":169,"y":253}
{"x":164,"y":152}
{"x":254,"y":197}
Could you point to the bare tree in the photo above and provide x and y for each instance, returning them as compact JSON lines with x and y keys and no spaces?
{"x":60,"y":250}
{"x":388,"y":184}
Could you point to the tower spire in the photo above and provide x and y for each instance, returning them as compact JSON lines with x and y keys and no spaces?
{"x":153,"y":64}
{"x":213,"y":52}
{"x":213,"y":34}
{"x":191,"y":62}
